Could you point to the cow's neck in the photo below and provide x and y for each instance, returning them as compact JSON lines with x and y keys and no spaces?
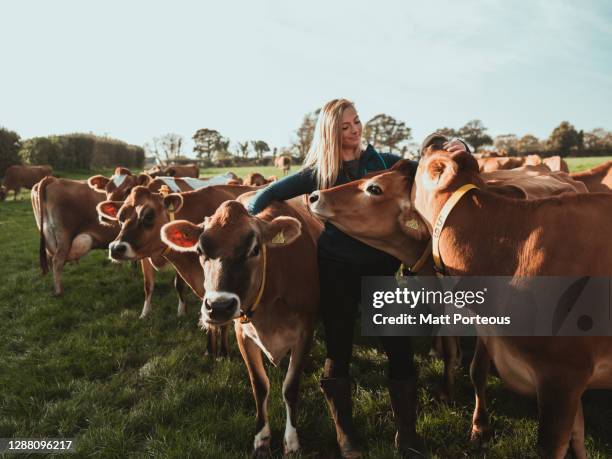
{"x":188,"y":266}
{"x":481,"y":235}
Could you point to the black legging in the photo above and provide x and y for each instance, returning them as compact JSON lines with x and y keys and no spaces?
{"x":340,"y":295}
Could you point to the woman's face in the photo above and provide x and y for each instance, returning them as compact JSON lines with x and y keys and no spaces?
{"x":350,"y":128}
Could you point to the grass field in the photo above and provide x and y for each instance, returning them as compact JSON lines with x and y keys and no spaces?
{"x":85,"y":366}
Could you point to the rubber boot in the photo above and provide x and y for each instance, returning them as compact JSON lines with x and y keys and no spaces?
{"x":337,"y":392}
{"x":403,"y":394}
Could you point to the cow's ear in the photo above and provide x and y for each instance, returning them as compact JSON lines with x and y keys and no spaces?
{"x":143,"y":180}
{"x":181,"y":235}
{"x":439,"y":172}
{"x":109,"y":209}
{"x":281,"y":230}
{"x":173,"y":202}
{"x":98,"y":183}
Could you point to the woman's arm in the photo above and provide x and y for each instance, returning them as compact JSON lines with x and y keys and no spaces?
{"x":288,"y":187}
{"x":440,"y":139}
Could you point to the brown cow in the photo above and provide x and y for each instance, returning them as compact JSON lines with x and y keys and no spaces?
{"x":283,"y":162}
{"x":119,"y":185}
{"x":556,"y":163}
{"x":19,"y":176}
{"x":141,"y":217}
{"x":255,"y":179}
{"x":188,"y":170}
{"x":374,"y":219}
{"x":65,"y":212}
{"x":525,"y":238}
{"x":490,"y":164}
{"x":598,"y":178}
{"x":251,"y":268}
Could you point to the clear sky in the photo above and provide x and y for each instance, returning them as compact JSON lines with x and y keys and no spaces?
{"x":252,"y":69}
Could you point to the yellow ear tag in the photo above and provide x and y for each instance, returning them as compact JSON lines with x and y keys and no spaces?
{"x":279,"y":238}
{"x":412,"y":224}
{"x":164,"y":190}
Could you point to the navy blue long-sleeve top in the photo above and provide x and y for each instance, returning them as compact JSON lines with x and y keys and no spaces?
{"x":334,"y":244}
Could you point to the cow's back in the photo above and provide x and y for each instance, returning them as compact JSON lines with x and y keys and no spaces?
{"x":599,"y":178}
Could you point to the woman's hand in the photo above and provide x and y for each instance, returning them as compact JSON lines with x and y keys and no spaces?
{"x":455,"y":146}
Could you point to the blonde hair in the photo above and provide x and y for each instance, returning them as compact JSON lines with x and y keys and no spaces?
{"x":325,"y":153}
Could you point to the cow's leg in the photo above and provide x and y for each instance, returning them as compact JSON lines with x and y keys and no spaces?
{"x":211,"y":341}
{"x":261,"y":388}
{"x":291,"y":387}
{"x":17,"y":191}
{"x":558,"y":401}
{"x":179,"y":285}
{"x":479,"y":370}
{"x":437,"y":349}
{"x":577,"y":441}
{"x":452,"y":358}
{"x":224,"y":340}
{"x":59,"y":260}
{"x":148,"y":275}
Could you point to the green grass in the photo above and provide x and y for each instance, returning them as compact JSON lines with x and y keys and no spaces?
{"x":581,"y":164}
{"x":85,"y":366}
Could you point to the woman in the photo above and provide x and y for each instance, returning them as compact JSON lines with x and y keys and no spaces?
{"x":336,"y":157}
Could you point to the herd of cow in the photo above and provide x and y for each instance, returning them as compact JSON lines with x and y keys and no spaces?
{"x":525,"y":221}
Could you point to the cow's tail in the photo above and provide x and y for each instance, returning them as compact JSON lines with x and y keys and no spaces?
{"x":42,"y":196}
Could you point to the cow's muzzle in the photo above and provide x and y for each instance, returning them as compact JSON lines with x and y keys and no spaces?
{"x":317,"y":205}
{"x":120,"y":251}
{"x":220,"y":307}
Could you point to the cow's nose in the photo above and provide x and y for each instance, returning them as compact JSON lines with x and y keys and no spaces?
{"x":222,"y":305}
{"x":117,"y":249}
{"x":314,"y":197}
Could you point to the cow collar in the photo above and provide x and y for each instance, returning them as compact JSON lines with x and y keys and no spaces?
{"x":245,"y":315}
{"x":439,"y":225}
{"x":416,"y":267}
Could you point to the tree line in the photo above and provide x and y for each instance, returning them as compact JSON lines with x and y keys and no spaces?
{"x":68,"y":152}
{"x":386,"y":134}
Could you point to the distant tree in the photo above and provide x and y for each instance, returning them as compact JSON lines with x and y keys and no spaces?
{"x":243,"y":149}
{"x":475,"y":134}
{"x":598,"y":142}
{"x":207,"y":141}
{"x":506,"y":143}
{"x":565,"y":139}
{"x":260,"y":147}
{"x":528,"y":144}
{"x":171,"y":146}
{"x":386,"y":133}
{"x":305,"y":134}
{"x":10,"y":142}
{"x":448,"y":132}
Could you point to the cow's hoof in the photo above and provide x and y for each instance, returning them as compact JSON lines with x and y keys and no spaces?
{"x":58,"y":293}
{"x":444,"y":396}
{"x":291,"y":446}
{"x":143,"y":316}
{"x":261,"y":452}
{"x":479,"y":435}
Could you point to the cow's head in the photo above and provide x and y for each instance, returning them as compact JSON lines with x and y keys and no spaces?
{"x":141,"y":217}
{"x":3,"y":193}
{"x":372,"y":209}
{"x":119,"y":185}
{"x":439,"y":174}
{"x":231,"y":245}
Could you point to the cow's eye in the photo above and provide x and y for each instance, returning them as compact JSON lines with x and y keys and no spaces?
{"x":374,"y":189}
{"x":148,"y":219}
